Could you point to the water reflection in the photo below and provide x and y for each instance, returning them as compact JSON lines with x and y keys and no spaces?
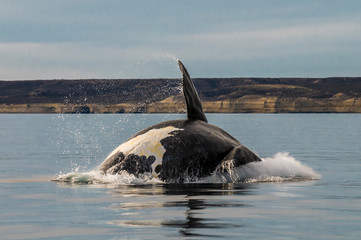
{"x":192,"y":222}
{"x":186,"y":207}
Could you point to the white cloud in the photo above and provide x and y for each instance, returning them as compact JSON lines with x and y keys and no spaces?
{"x":121,"y":39}
{"x":273,"y":42}
{"x":83,"y":60}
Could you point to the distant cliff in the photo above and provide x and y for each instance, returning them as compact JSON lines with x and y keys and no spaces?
{"x":218,"y":95}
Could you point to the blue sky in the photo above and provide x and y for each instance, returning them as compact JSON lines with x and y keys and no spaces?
{"x":48,"y":39}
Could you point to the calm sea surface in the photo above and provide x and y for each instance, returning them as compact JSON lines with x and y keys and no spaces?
{"x":35,"y":149}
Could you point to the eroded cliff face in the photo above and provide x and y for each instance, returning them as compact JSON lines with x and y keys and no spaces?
{"x":71,"y":108}
{"x":248,"y":104}
{"x":260,"y":104}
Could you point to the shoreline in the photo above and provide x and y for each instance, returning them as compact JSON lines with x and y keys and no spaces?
{"x":256,"y":105}
{"x":218,"y":95}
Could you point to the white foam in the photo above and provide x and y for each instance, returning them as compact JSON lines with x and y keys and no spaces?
{"x":279,"y":168}
{"x":96,"y":177}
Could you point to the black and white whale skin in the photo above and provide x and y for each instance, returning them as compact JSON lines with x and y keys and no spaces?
{"x":179,"y":150}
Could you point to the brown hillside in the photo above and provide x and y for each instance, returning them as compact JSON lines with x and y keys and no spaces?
{"x":164,"y":95}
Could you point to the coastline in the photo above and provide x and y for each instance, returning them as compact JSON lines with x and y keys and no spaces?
{"x":218,"y":95}
{"x":249,"y":105}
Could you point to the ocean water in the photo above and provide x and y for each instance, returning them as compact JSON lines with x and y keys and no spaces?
{"x":307,"y":187}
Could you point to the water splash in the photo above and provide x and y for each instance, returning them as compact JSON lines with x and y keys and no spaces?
{"x":96,"y":177}
{"x":80,"y":138}
{"x":280,"y":168}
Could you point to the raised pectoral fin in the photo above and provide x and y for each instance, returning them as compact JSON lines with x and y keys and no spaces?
{"x":241,"y":155}
{"x":194,"y":105}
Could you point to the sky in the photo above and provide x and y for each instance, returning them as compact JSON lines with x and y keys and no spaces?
{"x":67,"y":39}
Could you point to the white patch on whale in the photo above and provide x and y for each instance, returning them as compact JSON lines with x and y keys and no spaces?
{"x":147,"y":144}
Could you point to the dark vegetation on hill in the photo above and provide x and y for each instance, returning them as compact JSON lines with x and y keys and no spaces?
{"x":232,"y":88}
{"x":104,"y":91}
{"x":97,"y":91}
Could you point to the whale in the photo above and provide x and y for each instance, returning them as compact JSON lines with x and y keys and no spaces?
{"x":180,"y":150}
